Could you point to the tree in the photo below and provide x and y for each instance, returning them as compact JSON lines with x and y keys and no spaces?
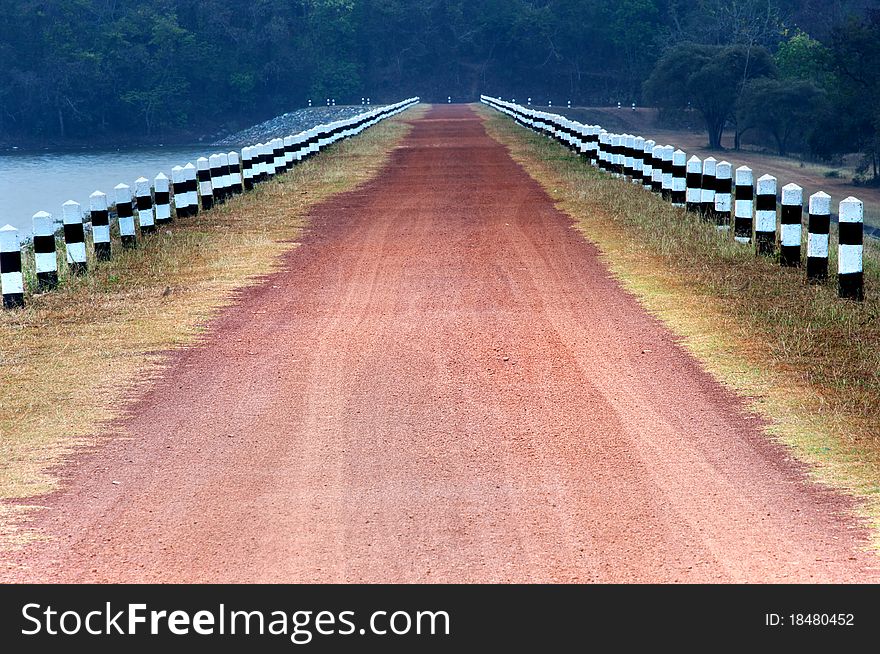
{"x":707,"y":78}
{"x":801,"y":57}
{"x":856,"y":61}
{"x":784,"y":108}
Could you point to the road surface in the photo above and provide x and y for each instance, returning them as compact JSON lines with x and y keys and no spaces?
{"x":443,"y":384}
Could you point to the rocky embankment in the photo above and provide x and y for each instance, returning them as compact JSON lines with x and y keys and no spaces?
{"x":292,"y":123}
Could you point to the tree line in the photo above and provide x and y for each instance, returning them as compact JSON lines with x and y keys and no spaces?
{"x":74,"y":69}
{"x":814,"y":97}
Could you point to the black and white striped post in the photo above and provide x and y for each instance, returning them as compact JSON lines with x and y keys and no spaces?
{"x":163,"y":200}
{"x":178,"y":188}
{"x":679,"y":178}
{"x":235,"y":183}
{"x":206,"y":187}
{"x":225,"y":177}
{"x":818,"y":227}
{"x":144,"y":199}
{"x":267,"y":168}
{"x":629,"y":144}
{"x":268,"y":159}
{"x":192,"y":189}
{"x":611,"y":154}
{"x":289,"y":146}
{"x":743,"y":208}
{"x":277,"y":156}
{"x":301,"y":141}
{"x":247,"y":169}
{"x":791,"y":225}
{"x":707,"y":190}
{"x":99,"y":213}
{"x":638,"y":159}
{"x":657,"y":168}
{"x":257,"y":163}
{"x":215,"y":181}
{"x":616,"y":155}
{"x":605,"y":151}
{"x":312,"y":141}
{"x":723,"y":194}
{"x":648,"y":163}
{"x":74,"y":237}
{"x":850,"y":277}
{"x":45,"y":256}
{"x":693,"y":180}
{"x":11,"y":279}
{"x":666,"y":177}
{"x":125,"y":216}
{"x":765,"y":215}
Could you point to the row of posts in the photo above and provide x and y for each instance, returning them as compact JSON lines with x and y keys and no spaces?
{"x":720,"y":195}
{"x":192,"y":188}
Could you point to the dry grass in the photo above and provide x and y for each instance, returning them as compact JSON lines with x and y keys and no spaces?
{"x":806,"y":360}
{"x":71,"y":356}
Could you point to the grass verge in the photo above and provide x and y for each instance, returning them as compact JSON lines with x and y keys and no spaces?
{"x":71,"y":357}
{"x":805,"y":359}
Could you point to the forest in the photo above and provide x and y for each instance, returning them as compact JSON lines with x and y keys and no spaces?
{"x":81,"y":69}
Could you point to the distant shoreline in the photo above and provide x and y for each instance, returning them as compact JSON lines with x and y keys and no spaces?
{"x":174,"y":139}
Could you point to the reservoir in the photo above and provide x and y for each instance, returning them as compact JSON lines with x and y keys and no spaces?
{"x":43,"y":180}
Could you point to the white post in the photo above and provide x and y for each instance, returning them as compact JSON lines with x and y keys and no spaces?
{"x":247,"y":167}
{"x":206,"y":174}
{"x":648,"y":163}
{"x":666,"y":177}
{"x":723,"y":188}
{"x":288,"y":152}
{"x":850,"y":277}
{"x":215,"y":182}
{"x":693,"y":180}
{"x":791,"y":225}
{"x":125,"y":216}
{"x":818,"y":227}
{"x":629,"y":144}
{"x":144,"y":199}
{"x":192,"y":189}
{"x":74,"y":237}
{"x":707,"y":190}
{"x":657,"y":168}
{"x":11,"y":279}
{"x":45,"y":256}
{"x":744,"y":205}
{"x":178,"y":186}
{"x":278,"y":156}
{"x":638,"y":159}
{"x":235,"y":184}
{"x":679,"y":174}
{"x":163,"y":200}
{"x":100,"y":217}
{"x":765,"y":215}
{"x":225,"y":177}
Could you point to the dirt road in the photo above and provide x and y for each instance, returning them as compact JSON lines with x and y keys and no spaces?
{"x":443,"y":384}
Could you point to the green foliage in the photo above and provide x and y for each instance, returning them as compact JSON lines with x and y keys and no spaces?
{"x":76,"y":68}
{"x":709,"y":78}
{"x":801,"y":57}
{"x":784,"y":108}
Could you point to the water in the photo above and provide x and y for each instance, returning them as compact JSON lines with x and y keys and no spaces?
{"x":44,"y":180}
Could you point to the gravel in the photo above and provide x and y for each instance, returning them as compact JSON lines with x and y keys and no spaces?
{"x":292,"y":123}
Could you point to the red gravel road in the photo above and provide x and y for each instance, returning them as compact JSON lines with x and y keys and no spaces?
{"x":443,"y":384}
